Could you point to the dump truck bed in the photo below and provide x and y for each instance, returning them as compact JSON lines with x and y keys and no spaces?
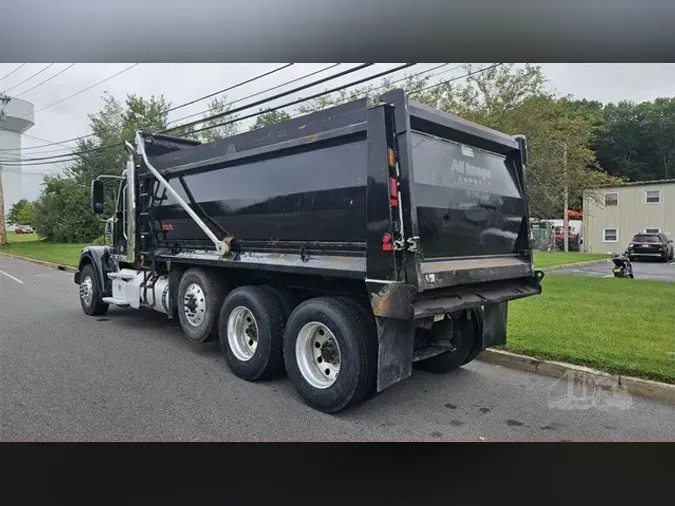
{"x":313,"y":195}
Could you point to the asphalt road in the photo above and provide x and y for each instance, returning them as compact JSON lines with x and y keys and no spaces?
{"x":131,"y":375}
{"x":642,"y":269}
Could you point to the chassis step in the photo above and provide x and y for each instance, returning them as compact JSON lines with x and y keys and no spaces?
{"x":123,"y":274}
{"x":428,"y":352}
{"x":117,"y":302}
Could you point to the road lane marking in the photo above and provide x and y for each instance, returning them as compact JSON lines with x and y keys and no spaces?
{"x":12,"y":277}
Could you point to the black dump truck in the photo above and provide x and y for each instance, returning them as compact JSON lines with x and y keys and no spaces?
{"x":340,"y":247}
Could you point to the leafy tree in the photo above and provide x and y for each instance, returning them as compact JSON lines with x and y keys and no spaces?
{"x":638,"y":141}
{"x":13,"y":213}
{"x":270,"y":118}
{"x":63,"y":213}
{"x":26,"y":215}
{"x":218,"y":105}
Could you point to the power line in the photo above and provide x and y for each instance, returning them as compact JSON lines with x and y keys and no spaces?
{"x":261,"y":92}
{"x":31,"y":77}
{"x":469,"y":74}
{"x":327,"y":92}
{"x":7,"y":75}
{"x":241,"y":83}
{"x":404,"y":78}
{"x":45,"y":81}
{"x":89,"y":87}
{"x":72,"y":156}
{"x":23,"y":171}
{"x":229,"y":88}
{"x":274,"y":97}
{"x":248,"y":106}
{"x":289,"y":104}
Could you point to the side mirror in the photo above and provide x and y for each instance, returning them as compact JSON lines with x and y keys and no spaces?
{"x":97,"y":196}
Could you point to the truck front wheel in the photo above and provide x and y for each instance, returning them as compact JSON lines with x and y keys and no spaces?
{"x":251,"y":329}
{"x":331,"y":357}
{"x":90,"y":292}
{"x":200,"y":295}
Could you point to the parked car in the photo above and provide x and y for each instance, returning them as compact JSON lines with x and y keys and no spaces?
{"x":23,"y":229}
{"x":651,"y":245}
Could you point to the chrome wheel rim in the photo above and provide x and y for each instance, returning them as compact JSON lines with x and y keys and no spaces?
{"x":318,"y":355}
{"x":194,"y":305}
{"x":242,"y":333}
{"x":87,"y":290}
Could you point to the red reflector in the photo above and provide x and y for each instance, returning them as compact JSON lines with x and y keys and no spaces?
{"x":387,"y":247}
{"x":393,"y":187}
{"x":394,"y":202}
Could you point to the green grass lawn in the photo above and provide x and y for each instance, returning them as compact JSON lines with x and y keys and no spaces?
{"x":543,"y":259}
{"x":31,"y":246}
{"x":13,"y":237}
{"x":621,"y":326}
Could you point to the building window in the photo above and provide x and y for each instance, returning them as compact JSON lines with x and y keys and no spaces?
{"x":653,"y":197}
{"x":652,"y":230}
{"x":610,"y":235}
{"x":612,"y":198}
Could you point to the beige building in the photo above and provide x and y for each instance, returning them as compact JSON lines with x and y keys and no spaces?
{"x":612,"y":216}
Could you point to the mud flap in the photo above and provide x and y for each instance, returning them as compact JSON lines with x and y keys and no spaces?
{"x":396,"y":341}
{"x":494,"y":318}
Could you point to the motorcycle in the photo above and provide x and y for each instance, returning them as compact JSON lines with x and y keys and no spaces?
{"x":622,"y":267}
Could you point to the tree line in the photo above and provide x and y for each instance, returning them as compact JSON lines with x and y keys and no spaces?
{"x":574,"y":145}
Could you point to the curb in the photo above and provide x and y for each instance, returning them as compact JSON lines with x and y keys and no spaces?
{"x":576,"y":264}
{"x":60,"y":267}
{"x":663,"y":392}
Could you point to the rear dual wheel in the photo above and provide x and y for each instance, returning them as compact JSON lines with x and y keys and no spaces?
{"x":328,"y":344}
{"x":251,"y":328}
{"x":330,"y":352}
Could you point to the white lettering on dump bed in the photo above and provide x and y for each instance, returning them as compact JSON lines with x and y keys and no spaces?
{"x":471,"y":174}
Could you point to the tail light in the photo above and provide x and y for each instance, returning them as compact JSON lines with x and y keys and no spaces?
{"x":386,"y":243}
{"x":393,"y":191}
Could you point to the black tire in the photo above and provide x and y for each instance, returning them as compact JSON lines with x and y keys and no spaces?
{"x":369,"y":319}
{"x":267,"y":360}
{"x":285,"y":299}
{"x":213,"y":291}
{"x":358,"y":352}
{"x":464,"y":338}
{"x":96,"y":306}
{"x":478,"y":339}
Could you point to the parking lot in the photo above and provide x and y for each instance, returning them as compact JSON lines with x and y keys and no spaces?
{"x":131,"y":375}
{"x":642,"y":269}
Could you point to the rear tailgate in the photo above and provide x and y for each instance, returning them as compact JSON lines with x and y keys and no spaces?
{"x":468,"y":203}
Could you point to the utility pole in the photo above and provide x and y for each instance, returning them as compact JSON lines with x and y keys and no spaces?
{"x":566,"y":199}
{"x":3,"y":231}
{"x":4,"y":100}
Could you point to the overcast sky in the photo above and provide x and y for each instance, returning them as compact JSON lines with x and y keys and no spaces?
{"x":183,"y":82}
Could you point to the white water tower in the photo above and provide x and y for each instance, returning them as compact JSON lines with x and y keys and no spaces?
{"x":16,"y":116}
